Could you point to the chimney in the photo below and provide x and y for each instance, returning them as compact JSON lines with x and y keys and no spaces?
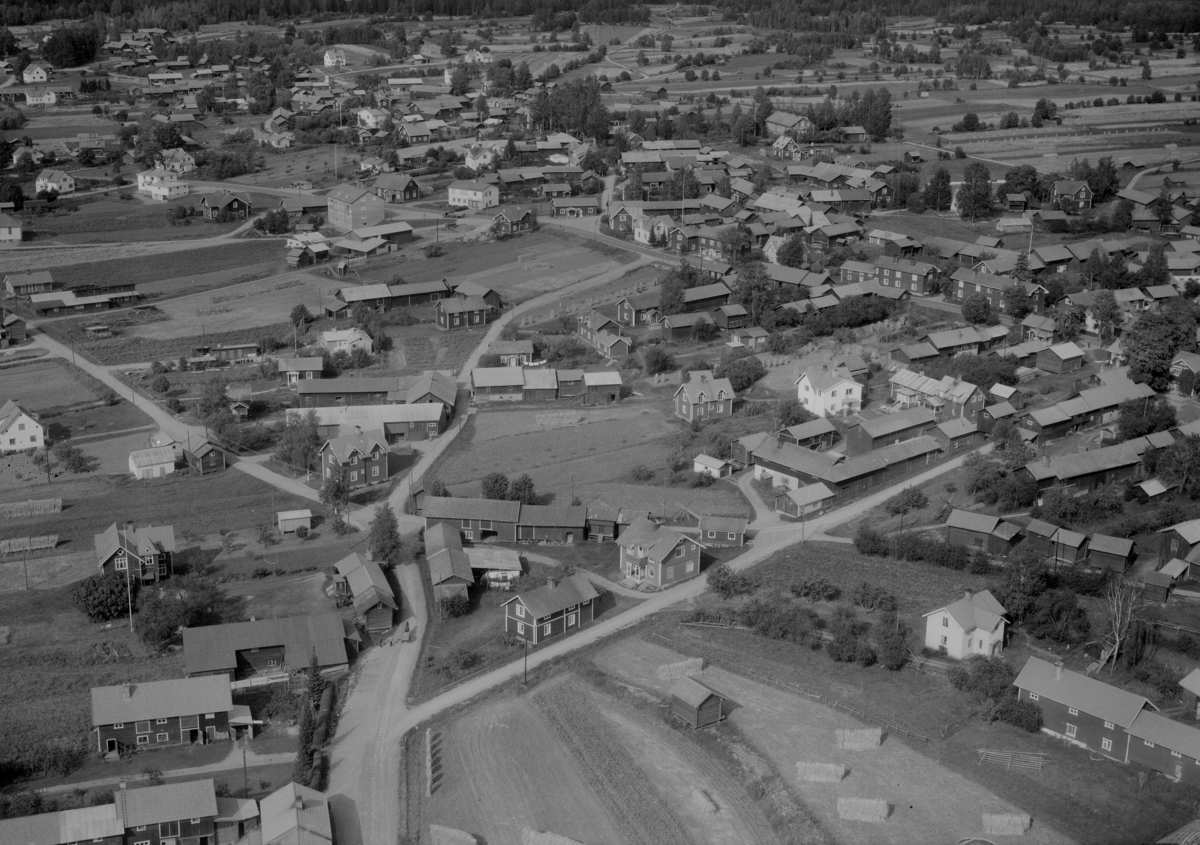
{"x":967,"y":595}
{"x":299,"y":803}
{"x":127,"y":693}
{"x":551,"y":584}
{"x":1058,"y":670}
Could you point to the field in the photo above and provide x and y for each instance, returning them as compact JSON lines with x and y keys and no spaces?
{"x":422,"y":347}
{"x":125,"y":349}
{"x":604,"y":297}
{"x":45,"y":384}
{"x":127,"y":218}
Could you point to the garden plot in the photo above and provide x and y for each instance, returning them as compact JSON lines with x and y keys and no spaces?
{"x":44,"y":384}
{"x":929,"y":803}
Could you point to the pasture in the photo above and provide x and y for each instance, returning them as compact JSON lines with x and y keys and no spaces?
{"x":123,"y":218}
{"x":172,"y":270}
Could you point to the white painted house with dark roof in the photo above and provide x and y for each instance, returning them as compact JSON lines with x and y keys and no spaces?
{"x":829,"y":392}
{"x":973,"y":625}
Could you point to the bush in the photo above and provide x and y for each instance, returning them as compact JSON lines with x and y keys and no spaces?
{"x":105,"y":596}
{"x":641,"y":472}
{"x":657,"y":360}
{"x":815,"y":589}
{"x":701,"y":479}
{"x":434,"y":250}
{"x":1021,"y":714}
{"x":302,"y":533}
{"x":456,"y":606}
{"x":726,"y":583}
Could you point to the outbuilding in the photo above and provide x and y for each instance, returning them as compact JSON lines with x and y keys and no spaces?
{"x":722,"y":530}
{"x":205,"y":458}
{"x":152,"y":463}
{"x":1060,"y":358}
{"x":1112,"y":553}
{"x":288,"y":521}
{"x":696,"y":703}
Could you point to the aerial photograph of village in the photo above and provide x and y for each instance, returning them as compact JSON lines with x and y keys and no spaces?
{"x":533,"y":422}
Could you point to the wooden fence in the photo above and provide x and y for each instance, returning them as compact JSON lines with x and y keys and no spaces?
{"x":1015,"y":759}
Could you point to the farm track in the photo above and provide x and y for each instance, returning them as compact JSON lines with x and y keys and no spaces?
{"x":622,"y":787}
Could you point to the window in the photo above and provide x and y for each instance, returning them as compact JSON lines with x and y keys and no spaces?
{"x":944,"y":642}
{"x":520,"y":629}
{"x":353,"y":460}
{"x":679,"y":552}
{"x":162,"y":738}
{"x":118,"y":724}
{"x":120,"y":564}
{"x":1108,"y":726}
{"x":945,"y":622}
{"x":374,"y":471}
{"x":1176,"y":754}
{"x":690,"y":566}
{"x":731,"y":536}
{"x":272,"y":661}
{"x":545,"y":630}
{"x":162,"y":721}
{"x":1033,"y":696}
{"x":140,"y":828}
{"x":354,"y":476}
{"x":466,"y":523}
{"x":520,"y":611}
{"x":195,"y":821}
{"x":1106,"y":745}
{"x":1148,"y":743}
{"x":571,"y":619}
{"x":144,"y":739}
{"x":1071,"y":731}
{"x":1072,"y":711}
{"x":168,"y":829}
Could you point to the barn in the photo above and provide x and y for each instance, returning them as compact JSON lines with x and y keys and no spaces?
{"x":695,"y":703}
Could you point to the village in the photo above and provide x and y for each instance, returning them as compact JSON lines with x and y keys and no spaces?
{"x":750,"y":426}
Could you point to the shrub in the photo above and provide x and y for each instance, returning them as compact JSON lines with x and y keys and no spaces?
{"x":701,"y":479}
{"x":1021,"y":714}
{"x":302,"y":533}
{"x":641,"y":472}
{"x":815,"y":589}
{"x":456,"y":606}
{"x":726,"y":583}
{"x":657,"y":360}
{"x":105,"y":596}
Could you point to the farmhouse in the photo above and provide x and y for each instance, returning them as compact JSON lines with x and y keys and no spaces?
{"x":346,"y":340}
{"x":25,"y":284}
{"x":478,"y":519}
{"x":182,"y":812}
{"x":703,"y":397}
{"x":205,"y":458}
{"x":161,"y":184}
{"x":695,"y":703}
{"x":1071,"y":195}
{"x":226,"y":204}
{"x":657,"y":556}
{"x":722,"y":530}
{"x":638,"y":309}
{"x":295,"y":815}
{"x":361,"y":457}
{"x":267,"y":647}
{"x":396,"y":188}
{"x":473,"y":195}
{"x":296,"y":369}
{"x":19,"y":429}
{"x":55,"y":181}
{"x":182,"y":711}
{"x":973,"y":625}
{"x":551,"y":610}
{"x":512,"y":353}
{"x":949,"y":397}
{"x":458,"y":313}
{"x":145,"y":553}
{"x":369,"y":591}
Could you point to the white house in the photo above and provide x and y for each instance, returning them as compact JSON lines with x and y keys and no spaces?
{"x":335,"y":58}
{"x":160,"y":184}
{"x":55,"y":180}
{"x":40,"y":97}
{"x":35,"y":74}
{"x":479,"y":157}
{"x":973,"y":625}
{"x":373,"y":118}
{"x":10,"y":230}
{"x":19,"y":429}
{"x":829,"y":392}
{"x":178,"y":160}
{"x":475,"y":195}
{"x":152,"y":463}
{"x":346,"y":340}
{"x":478,"y":57}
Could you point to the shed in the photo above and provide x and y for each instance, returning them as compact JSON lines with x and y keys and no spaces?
{"x":1158,"y":586}
{"x":289,"y":521}
{"x":1040,"y":536}
{"x":695,"y":703}
{"x":809,"y":499}
{"x":205,"y":458}
{"x":722,"y":530}
{"x":1114,"y":553}
{"x":1061,"y":358}
{"x":708,"y":465}
{"x":1070,"y":546}
{"x":152,"y":463}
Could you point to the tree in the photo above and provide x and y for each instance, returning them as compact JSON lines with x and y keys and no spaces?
{"x":335,"y":492}
{"x":1057,"y":616}
{"x":657,"y":360}
{"x":893,"y":642}
{"x":742,"y":371}
{"x":1180,"y":463}
{"x":975,"y":195}
{"x":383,"y":538}
{"x":1016,"y":302}
{"x":1121,"y":602}
{"x":304,"y":743}
{"x":160,"y":385}
{"x":673,"y":284}
{"x":1122,"y":216}
{"x":105,"y":596}
{"x":460,"y":80}
{"x":976,"y":309}
{"x":184,"y":602}
{"x":1152,"y":342}
{"x":300,"y":316}
{"x":1070,"y":323}
{"x":792,"y":253}
{"x":905,"y":502}
{"x":299,"y":441}
{"x":756,"y":292}
{"x":792,"y":412}
{"x":1107,"y":314}
{"x":495,"y":486}
{"x":938,"y":193}
{"x":1155,"y":270}
{"x":1139,"y":417}
{"x":521,"y":490}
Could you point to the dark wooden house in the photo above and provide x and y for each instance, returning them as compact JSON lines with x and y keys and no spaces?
{"x":181,"y":711}
{"x":369,"y":591}
{"x":980,"y":531}
{"x":362,"y":457}
{"x":722,"y":530}
{"x":478,"y":519}
{"x":449,"y":567}
{"x":205,"y":458}
{"x":1113,"y":553}
{"x":145,"y":553}
{"x":557,"y":608}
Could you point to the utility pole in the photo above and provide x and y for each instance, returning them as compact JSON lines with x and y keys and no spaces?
{"x":128,"y":593}
{"x":26,"y":560}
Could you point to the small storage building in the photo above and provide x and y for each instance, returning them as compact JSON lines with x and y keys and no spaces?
{"x":722,"y":530}
{"x":1113,"y":553}
{"x":205,"y":458}
{"x":1070,"y":547}
{"x":289,"y":521}
{"x":152,"y":463}
{"x":695,"y":703}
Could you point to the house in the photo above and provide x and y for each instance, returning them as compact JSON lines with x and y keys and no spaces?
{"x":512,"y":353}
{"x":282,"y":646}
{"x":829,"y":392}
{"x":972,"y":625}
{"x":696,"y":703}
{"x":1185,"y":367}
{"x":396,"y":188}
{"x":294,"y":815}
{"x":161,"y":184}
{"x":957,"y":434}
{"x":41,"y":96}
{"x":989,"y":534}
{"x":807,"y":500}
{"x":474,"y":195}
{"x":638,"y":309}
{"x":346,"y":392}
{"x":12,"y":333}
{"x":552,"y":524}
{"x":57,"y":181}
{"x":29,"y":283}
{"x":706,"y":297}
{"x":1181,"y":541}
{"x":101,"y":824}
{"x":703,"y":397}
{"x":884,"y":430}
{"x":583,"y":206}
{"x":293,"y":370}
{"x":351,"y":207}
{"x":781,"y":123}
{"x":1061,"y":358}
{"x":335,"y":58}
{"x":1081,"y":710}
{"x":552,"y":610}
{"x":460,"y":313}
{"x":449,"y":567}
{"x":288,"y":522}
{"x":178,"y":160}
{"x":362,"y":457}
{"x":205,"y":458}
{"x":815,"y":434}
{"x":36,"y":74}
{"x":601,"y":388}
{"x":155,"y":714}
{"x":11,"y":230}
{"x":145,"y":553}
{"x":1115,"y":554}
{"x":752,"y":338}
{"x":722,"y":530}
{"x":151,"y":463}
{"x":1071,"y":195}
{"x":782,"y":464}
{"x":19,"y":429}
{"x":708,"y":465}
{"x":854,"y":134}
{"x":369,"y":591}
{"x":225,"y":204}
{"x":948,"y":397}
{"x":514,"y":221}
{"x":915,"y":277}
{"x":346,"y":340}
{"x":1035,"y":327}
{"x":1091,"y":470}
{"x":654,"y":555}
{"x":397,"y":420}
{"x":478,"y":519}
{"x":497,"y":384}
{"x":731,"y":316}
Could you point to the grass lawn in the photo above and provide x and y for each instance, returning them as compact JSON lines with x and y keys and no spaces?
{"x":226,"y":257}
{"x":45,"y":384}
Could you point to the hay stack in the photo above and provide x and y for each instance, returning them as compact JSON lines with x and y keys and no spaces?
{"x":529,"y":836}
{"x":820,"y":772}
{"x":674,"y":671}
{"x":703,"y":803}
{"x":449,"y":836}
{"x":1006,"y":824}
{"x":863,"y":809}
{"x":858,"y":739}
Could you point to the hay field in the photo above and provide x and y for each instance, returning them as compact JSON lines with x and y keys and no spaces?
{"x":46,"y":383}
{"x":930,"y":802}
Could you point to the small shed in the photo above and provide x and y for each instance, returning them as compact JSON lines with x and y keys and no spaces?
{"x":1070,"y":547}
{"x":289,"y":521}
{"x":1040,"y":536}
{"x":1113,"y":553}
{"x":722,"y":530}
{"x":695,"y":703}
{"x":810,"y":499}
{"x":708,"y":465}
{"x":205,"y":458}
{"x":1061,"y":358}
{"x":152,"y":463}
{"x":1191,"y":692}
{"x":1158,"y":586}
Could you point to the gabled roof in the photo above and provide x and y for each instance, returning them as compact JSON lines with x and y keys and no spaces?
{"x":557,"y":596}
{"x":170,"y":802}
{"x":722,"y":524}
{"x":691,"y":691}
{"x":295,"y":815}
{"x":496,"y":510}
{"x":66,"y":826}
{"x":1105,"y":544}
{"x":160,"y":699}
{"x":812,"y":428}
{"x":1089,"y":695}
{"x":810,"y":494}
{"x":953,"y":338}
{"x":497,"y":377}
{"x":368,"y":585}
{"x":444,"y":551}
{"x":152,"y":457}
{"x":702,"y":383}
{"x":975,"y":611}
{"x":362,"y":442}
{"x":138,"y":542}
{"x":553,"y":516}
{"x":212,"y":648}
{"x":462,"y":304}
{"x":886,"y":424}
{"x":1189,"y":531}
{"x":657,"y":541}
{"x":793,"y":457}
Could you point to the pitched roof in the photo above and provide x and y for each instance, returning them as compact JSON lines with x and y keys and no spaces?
{"x":723,"y":524}
{"x":152,"y":457}
{"x":462,"y":304}
{"x":1111,"y":545}
{"x":702,"y":383}
{"x":1094,"y":697}
{"x":827,"y":378}
{"x":970,"y":521}
{"x":368,"y":585}
{"x":160,"y":699}
{"x":881,"y":459}
{"x":360,"y":441}
{"x":953,"y":338}
{"x":557,"y":596}
{"x":975,"y":611}
{"x":812,"y":428}
{"x":886,"y":424}
{"x":170,"y":802}
{"x":212,"y":648}
{"x":436,"y":384}
{"x":79,"y":825}
{"x":655,"y":540}
{"x":553,"y":516}
{"x":139,"y":542}
{"x":498,"y":377}
{"x":295,"y":815}
{"x":796,"y":458}
{"x":445,"y":507}
{"x":444,"y":551}
{"x":691,"y":692}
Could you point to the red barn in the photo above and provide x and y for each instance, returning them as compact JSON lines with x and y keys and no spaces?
{"x":552,"y":610}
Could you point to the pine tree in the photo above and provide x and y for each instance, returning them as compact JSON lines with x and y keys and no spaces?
{"x":304,"y":743}
{"x":316,"y":683}
{"x":384,"y":537}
